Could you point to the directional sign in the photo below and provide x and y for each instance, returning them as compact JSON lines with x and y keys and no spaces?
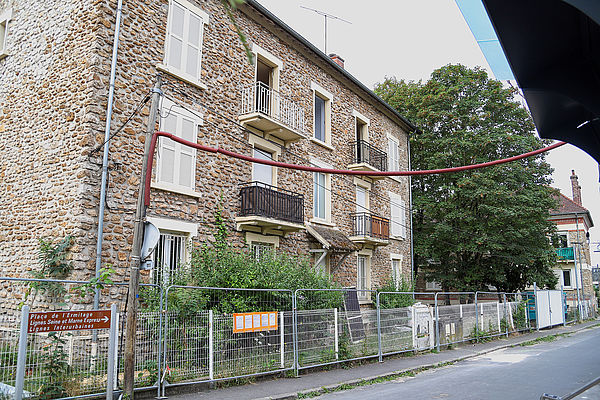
{"x":54,"y":321}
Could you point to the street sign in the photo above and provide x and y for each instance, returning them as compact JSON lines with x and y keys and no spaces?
{"x":54,"y":321}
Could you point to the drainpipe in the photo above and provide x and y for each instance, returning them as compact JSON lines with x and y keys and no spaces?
{"x":578,"y":256}
{"x":109,"y":109}
{"x":412,"y":249}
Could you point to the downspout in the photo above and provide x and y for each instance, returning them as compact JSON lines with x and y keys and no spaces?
{"x":578,"y":256}
{"x":410,"y":208}
{"x":109,"y":110}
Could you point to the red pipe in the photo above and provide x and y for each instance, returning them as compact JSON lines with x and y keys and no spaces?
{"x":324,"y":170}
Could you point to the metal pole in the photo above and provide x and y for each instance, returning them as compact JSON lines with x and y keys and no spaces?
{"x":160,"y":338}
{"x":325,"y":46}
{"x":112,"y":349}
{"x":282,"y":339}
{"x":211,"y":346}
{"x":379,"y":347}
{"x":564,"y":309}
{"x":336,"y":333}
{"x":295,"y":330}
{"x":437,"y":321}
{"x":535,"y":303}
{"x":109,"y":110}
{"x":22,"y":355}
{"x":410,"y":213}
{"x":506,"y":313}
{"x":578,"y":276}
{"x":476,"y":320}
{"x":138,"y":230}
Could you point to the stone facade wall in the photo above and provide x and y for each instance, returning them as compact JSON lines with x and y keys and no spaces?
{"x":53,"y":100}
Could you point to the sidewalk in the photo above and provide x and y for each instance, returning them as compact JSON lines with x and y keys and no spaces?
{"x":288,"y":388}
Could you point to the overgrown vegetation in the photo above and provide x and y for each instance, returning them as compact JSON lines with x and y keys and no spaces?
{"x":393,"y":300}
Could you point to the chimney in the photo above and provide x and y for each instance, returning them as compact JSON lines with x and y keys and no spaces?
{"x":337,"y":59}
{"x":576,"y":188}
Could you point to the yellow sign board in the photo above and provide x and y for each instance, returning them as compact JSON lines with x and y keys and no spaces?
{"x":254,"y":322}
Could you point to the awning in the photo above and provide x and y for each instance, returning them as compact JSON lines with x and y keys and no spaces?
{"x":332,"y":239}
{"x":553,"y":48}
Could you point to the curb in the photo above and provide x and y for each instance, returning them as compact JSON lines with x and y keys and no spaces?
{"x":317,"y":391}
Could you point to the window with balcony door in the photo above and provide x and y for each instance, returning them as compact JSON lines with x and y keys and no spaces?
{"x":393,"y":154}
{"x":176,"y":163}
{"x":398,"y":216}
{"x":260,"y":172}
{"x":183,"y":44}
{"x":363,"y":276}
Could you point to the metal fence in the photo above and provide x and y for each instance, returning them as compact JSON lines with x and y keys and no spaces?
{"x":187,"y":335}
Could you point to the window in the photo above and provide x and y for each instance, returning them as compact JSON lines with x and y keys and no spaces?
{"x":396,"y":269}
{"x":171,"y":252}
{"x":322,"y":114}
{"x":5,"y":16}
{"x":362,"y":200}
{"x":168,"y":257}
{"x":261,"y":172}
{"x":262,"y":251}
{"x":361,"y":281}
{"x":393,"y":154}
{"x":176,"y":162}
{"x":319,"y":195}
{"x":398,"y":216}
{"x":566,"y":278}
{"x":183,"y":44}
{"x":433,"y":286}
{"x":562,"y":240}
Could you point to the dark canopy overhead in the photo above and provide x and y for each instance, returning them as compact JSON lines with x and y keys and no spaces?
{"x":553,"y":48}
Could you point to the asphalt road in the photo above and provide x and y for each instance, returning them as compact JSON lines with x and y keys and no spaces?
{"x":558,"y":368}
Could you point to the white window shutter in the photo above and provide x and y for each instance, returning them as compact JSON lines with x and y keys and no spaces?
{"x":403,"y":218}
{"x":395,"y":220}
{"x":390,"y":155}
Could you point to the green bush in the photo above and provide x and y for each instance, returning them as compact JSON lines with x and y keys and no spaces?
{"x":392,"y":300}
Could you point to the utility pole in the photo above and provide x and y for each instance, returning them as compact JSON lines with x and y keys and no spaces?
{"x":138,"y":230}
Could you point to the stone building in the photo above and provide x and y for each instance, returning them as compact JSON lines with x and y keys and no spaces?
{"x":574,"y":267}
{"x":294,"y":104}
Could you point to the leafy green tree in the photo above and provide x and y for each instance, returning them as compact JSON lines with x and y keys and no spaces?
{"x":481,"y":227}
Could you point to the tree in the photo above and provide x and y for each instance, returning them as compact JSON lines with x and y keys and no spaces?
{"x":481,"y":227}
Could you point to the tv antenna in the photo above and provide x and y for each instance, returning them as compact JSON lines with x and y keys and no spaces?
{"x":326,"y":15}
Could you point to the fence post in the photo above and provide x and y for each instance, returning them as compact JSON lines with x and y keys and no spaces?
{"x":437,"y":322}
{"x":535,"y":303}
{"x":211,"y":350}
{"x":379,"y":347}
{"x":336,"y":333}
{"x":476,"y":320}
{"x":564,"y":305}
{"x":498,"y":314}
{"x":295,"y":330}
{"x":112,"y":348}
{"x":282,"y":340}
{"x":22,"y":355}
{"x":507,"y":323}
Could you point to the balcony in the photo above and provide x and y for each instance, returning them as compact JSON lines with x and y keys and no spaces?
{"x":370,"y":229}
{"x":267,"y":209}
{"x":565,"y":254}
{"x":267,"y":110}
{"x":366,"y":157}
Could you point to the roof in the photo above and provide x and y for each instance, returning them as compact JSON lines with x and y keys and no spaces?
{"x":553,"y":49}
{"x":269,"y":15}
{"x":332,"y":239}
{"x":566,"y":206}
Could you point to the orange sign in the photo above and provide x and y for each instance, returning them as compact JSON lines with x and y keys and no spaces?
{"x":54,"y":321}
{"x":253,"y":322}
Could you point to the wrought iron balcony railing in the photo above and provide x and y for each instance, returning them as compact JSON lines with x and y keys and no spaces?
{"x":565,"y":253}
{"x":260,"y":98}
{"x":370,"y":225}
{"x":364,"y":152}
{"x":260,"y":199}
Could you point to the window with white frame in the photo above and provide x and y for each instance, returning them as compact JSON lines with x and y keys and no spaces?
{"x":433,"y":286}
{"x":398,"y":216}
{"x":322,"y":114}
{"x":177,"y":162}
{"x":396,"y":269}
{"x":393,"y":154}
{"x":363,"y":276}
{"x":319,"y":195}
{"x":262,"y":251}
{"x":169,"y":256}
{"x":183,"y":44}
{"x":261,"y":172}
{"x":5,"y":17}
{"x":566,"y":278}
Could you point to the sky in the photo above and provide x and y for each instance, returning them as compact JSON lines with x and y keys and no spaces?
{"x":408,"y":39}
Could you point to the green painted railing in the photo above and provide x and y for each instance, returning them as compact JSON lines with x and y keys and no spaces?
{"x":565,"y":253}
